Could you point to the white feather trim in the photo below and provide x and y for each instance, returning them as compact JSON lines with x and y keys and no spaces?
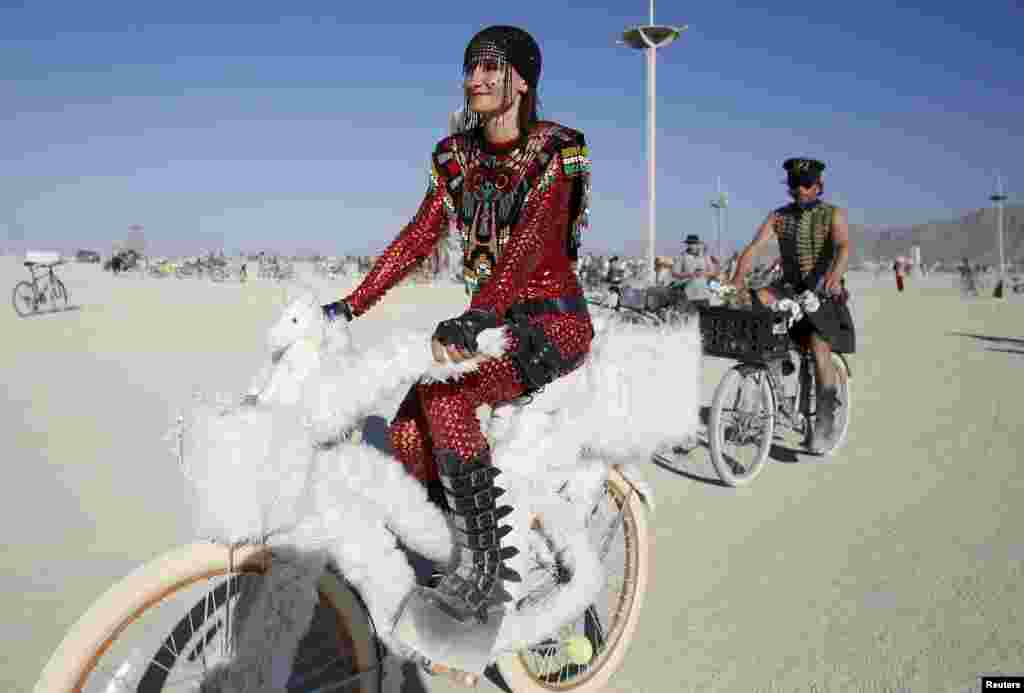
{"x":256,"y":472}
{"x":350,"y":386}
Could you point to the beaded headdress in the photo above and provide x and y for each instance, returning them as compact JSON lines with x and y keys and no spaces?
{"x":501,"y":47}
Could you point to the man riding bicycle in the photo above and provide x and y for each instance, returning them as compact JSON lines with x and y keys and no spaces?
{"x":518,"y":189}
{"x":814,"y":245}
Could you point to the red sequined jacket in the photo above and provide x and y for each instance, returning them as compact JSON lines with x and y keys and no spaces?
{"x":520,"y":208}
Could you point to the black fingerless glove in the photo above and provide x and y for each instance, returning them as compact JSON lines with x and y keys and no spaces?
{"x":462,"y":331}
{"x":338,"y":308}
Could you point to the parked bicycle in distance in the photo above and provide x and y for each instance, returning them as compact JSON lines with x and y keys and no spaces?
{"x":44,"y":291}
{"x":646,"y":305}
{"x":774,"y":383}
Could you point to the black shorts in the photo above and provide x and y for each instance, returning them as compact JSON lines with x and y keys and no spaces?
{"x":832,"y":321}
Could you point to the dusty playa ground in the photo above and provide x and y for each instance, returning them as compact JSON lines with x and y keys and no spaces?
{"x":894,"y":565}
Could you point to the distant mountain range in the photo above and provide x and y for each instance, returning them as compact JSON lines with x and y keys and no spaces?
{"x":972,"y":236}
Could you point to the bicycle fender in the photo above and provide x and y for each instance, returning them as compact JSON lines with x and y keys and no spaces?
{"x":631,"y":473}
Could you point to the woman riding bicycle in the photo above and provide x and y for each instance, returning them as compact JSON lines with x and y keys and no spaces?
{"x":518,"y":190}
{"x":814,"y":245}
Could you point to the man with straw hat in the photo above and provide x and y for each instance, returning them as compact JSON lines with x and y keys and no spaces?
{"x":693,"y":269}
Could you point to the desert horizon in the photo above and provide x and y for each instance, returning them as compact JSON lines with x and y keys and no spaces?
{"x":972,"y":233}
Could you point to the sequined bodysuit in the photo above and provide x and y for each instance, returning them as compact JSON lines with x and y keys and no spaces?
{"x":520,"y":209}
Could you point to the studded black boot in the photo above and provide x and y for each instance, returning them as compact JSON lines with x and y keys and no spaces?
{"x":457,"y":622}
{"x":436,"y":495}
{"x":473,"y":584}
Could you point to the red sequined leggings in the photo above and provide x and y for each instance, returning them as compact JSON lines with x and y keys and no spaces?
{"x":443,"y":415}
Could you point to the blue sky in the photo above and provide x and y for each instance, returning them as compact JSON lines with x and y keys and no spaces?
{"x":237,"y":125}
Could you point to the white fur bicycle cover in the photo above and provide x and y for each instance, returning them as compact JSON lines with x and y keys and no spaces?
{"x":257,"y":473}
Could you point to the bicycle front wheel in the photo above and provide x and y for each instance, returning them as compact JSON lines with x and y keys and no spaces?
{"x":24,"y":299}
{"x":172,"y":626}
{"x":742,"y":425}
{"x":618,"y":528}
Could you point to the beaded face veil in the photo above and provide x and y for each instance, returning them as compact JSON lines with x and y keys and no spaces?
{"x":500,"y":48}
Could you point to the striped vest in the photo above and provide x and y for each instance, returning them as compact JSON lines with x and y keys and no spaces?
{"x":805,"y":242}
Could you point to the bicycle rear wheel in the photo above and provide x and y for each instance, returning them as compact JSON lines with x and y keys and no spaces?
{"x":169,"y":626}
{"x":24,"y":299}
{"x":618,"y":527}
{"x":58,"y":295}
{"x":742,"y":425}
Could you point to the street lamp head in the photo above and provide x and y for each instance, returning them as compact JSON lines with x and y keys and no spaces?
{"x":651,"y":36}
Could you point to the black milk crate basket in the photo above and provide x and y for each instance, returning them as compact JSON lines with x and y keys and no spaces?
{"x":744,"y":334}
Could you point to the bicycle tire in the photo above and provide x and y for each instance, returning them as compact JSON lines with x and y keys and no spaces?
{"x":58,"y":295}
{"x":78,"y":655}
{"x":27,"y":297}
{"x":514,"y":667}
{"x":716,"y":429}
{"x":842,"y":420}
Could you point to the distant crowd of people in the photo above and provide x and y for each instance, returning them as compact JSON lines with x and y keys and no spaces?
{"x":692,"y":269}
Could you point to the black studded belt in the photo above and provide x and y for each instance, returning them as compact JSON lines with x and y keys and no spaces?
{"x":543,"y":306}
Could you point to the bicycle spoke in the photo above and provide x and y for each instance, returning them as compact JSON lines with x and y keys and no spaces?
{"x":227,"y":619}
{"x":173,"y":647}
{"x":206,"y":618}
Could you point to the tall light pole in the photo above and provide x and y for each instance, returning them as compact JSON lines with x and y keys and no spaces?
{"x":999,"y":198}
{"x":650,"y":38}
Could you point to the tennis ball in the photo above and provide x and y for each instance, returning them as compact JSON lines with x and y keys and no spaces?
{"x":579,"y":650}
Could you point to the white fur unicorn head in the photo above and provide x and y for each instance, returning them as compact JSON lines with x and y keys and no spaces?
{"x":302,"y":319}
{"x":300,"y":341}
